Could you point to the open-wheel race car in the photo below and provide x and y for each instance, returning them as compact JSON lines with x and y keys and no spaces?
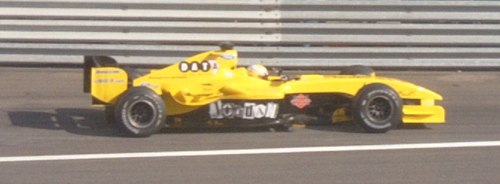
{"x":210,"y":90}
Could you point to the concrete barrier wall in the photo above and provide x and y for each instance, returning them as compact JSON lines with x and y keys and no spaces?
{"x":294,"y":33}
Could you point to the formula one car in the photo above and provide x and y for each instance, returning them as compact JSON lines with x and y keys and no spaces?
{"x":209,"y":89}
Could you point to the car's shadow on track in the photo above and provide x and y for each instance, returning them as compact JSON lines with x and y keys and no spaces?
{"x":91,"y":122}
{"x":346,"y":127}
{"x":77,"y":121}
{"x":350,"y":127}
{"x":191,"y":130}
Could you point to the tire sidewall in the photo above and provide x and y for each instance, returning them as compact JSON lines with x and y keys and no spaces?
{"x":360,"y":108}
{"x":131,"y":97}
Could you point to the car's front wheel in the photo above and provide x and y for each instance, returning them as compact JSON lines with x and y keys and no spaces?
{"x":140,"y":112}
{"x":377,"y":108}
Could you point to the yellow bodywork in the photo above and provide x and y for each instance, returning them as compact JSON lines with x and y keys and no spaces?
{"x":214,"y":75}
{"x":107,"y":83}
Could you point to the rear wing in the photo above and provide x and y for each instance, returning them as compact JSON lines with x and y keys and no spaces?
{"x":103,"y":79}
{"x":90,"y":62}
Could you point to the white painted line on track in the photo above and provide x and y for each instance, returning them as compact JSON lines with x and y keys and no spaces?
{"x":251,"y":151}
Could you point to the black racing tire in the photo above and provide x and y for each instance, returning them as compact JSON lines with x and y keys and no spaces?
{"x":109,"y":113}
{"x":140,"y":112}
{"x":357,"y":70}
{"x":377,"y":108}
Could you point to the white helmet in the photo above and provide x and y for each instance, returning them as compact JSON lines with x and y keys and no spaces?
{"x":257,"y":71}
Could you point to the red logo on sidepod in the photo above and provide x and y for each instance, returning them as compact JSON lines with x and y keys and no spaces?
{"x":300,"y":101}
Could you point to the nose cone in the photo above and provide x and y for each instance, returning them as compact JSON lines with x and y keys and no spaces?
{"x":424,"y":93}
{"x":408,"y":90}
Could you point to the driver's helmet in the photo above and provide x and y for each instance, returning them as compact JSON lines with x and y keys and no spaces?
{"x":257,"y":71}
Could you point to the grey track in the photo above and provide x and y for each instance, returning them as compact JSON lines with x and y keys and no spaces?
{"x":44,"y":112}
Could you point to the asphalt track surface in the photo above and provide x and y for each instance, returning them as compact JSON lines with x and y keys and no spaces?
{"x":44,"y":112}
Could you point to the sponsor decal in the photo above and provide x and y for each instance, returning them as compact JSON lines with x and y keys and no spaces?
{"x":108,"y":80}
{"x":301,"y":101}
{"x":196,"y":66}
{"x":244,"y":110}
{"x":214,"y":66}
{"x":107,"y":71}
{"x":227,"y":56}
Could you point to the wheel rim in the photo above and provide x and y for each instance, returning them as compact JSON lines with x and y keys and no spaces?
{"x":379,"y":109}
{"x":141,"y":114}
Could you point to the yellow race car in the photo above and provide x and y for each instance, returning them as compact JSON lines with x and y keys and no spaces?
{"x":210,"y":89}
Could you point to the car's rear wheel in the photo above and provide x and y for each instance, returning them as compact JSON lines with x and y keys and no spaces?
{"x":377,"y":108}
{"x":140,"y":112}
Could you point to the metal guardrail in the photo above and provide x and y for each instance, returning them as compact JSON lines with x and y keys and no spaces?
{"x":295,"y":33}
